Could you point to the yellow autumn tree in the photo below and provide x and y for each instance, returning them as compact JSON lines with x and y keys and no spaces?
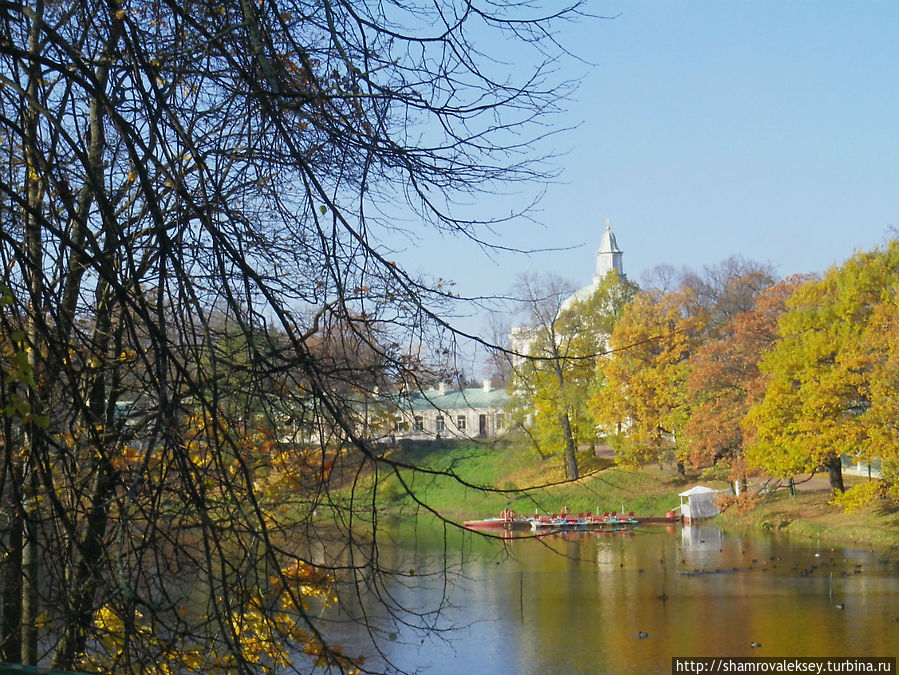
{"x":641,"y":399}
{"x":823,"y":371}
{"x":881,"y":335}
{"x":555,"y":382}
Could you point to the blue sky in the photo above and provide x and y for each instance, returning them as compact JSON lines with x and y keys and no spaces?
{"x":712,"y":128}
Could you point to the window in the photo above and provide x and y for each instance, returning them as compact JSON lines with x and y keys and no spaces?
{"x":500,"y":421}
{"x":419,"y":423}
{"x":460,"y":422}
{"x":440,"y":424}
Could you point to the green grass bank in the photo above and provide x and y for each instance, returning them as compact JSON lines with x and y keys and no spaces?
{"x":516,"y":478}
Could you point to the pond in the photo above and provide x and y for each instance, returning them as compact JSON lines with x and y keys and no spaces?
{"x":626,"y":602}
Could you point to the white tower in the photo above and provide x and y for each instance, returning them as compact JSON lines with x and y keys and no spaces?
{"x":608,"y":257}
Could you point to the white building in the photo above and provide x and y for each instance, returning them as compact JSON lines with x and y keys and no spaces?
{"x":441,"y":412}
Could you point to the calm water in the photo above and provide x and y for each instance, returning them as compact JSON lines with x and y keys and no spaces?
{"x":579,"y":603}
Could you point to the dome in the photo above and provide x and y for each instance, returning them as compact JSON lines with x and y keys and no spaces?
{"x":580,"y":295}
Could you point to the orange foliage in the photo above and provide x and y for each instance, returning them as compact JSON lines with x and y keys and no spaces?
{"x":725,"y":379}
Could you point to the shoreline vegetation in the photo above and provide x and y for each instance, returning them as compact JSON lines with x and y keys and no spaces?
{"x":510,"y":470}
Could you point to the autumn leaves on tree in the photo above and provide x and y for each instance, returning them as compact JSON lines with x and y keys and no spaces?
{"x":831,"y":374}
{"x":641,"y":398}
{"x":728,"y":368}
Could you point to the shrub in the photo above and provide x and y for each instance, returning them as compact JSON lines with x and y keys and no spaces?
{"x":861,"y":495}
{"x":741,"y":503}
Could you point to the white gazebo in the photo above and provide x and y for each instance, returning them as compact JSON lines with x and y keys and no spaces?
{"x":699,"y":502}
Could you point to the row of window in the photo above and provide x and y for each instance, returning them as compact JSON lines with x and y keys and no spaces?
{"x":461,"y":423}
{"x":440,"y":425}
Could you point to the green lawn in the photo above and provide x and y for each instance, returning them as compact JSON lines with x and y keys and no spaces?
{"x":514,"y":477}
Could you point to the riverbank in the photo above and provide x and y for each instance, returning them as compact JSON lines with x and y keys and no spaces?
{"x":515,"y":478}
{"x":810,"y":515}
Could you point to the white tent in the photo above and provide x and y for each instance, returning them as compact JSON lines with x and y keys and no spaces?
{"x":699,"y":502}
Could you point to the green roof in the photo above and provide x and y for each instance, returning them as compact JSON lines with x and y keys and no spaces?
{"x":455,"y":399}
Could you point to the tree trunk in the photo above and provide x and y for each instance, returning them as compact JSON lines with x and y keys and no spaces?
{"x":34,"y":441}
{"x":834,"y":468}
{"x":82,"y":577}
{"x":11,"y":649}
{"x":571,"y":470}
{"x":83,"y":572}
{"x":100,"y":391}
{"x":30,"y":581}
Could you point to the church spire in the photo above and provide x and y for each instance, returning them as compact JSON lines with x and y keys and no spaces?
{"x":608,"y":257}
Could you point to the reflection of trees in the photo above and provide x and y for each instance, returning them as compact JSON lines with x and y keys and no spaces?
{"x":195,"y":201}
{"x":578,"y":604}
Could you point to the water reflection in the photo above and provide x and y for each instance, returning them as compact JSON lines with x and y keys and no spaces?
{"x":623,"y":604}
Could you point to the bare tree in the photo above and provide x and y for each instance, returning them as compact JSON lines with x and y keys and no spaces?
{"x":728,"y":288}
{"x":663,"y":278}
{"x":723,"y":290}
{"x":193,"y":196}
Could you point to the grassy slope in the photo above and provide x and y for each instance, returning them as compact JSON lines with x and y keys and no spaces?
{"x":647,"y":491}
{"x":508,"y":471}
